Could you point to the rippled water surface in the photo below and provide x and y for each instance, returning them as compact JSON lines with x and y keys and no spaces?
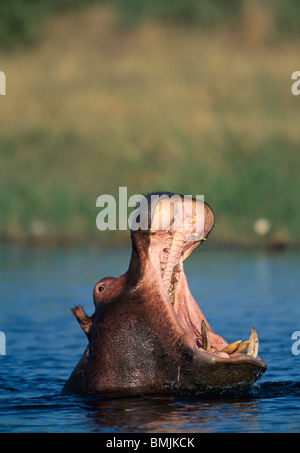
{"x":43,"y":343}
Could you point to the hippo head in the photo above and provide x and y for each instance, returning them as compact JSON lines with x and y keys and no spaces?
{"x":147,"y":333}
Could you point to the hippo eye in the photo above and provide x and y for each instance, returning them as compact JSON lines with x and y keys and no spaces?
{"x":101,"y":288}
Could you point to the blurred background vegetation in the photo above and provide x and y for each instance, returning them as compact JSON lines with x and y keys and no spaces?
{"x":185,"y":96}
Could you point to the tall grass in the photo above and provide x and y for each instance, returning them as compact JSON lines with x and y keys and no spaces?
{"x":94,"y":107}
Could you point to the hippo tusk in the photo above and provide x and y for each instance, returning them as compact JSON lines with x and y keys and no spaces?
{"x":205,"y":336}
{"x":252,"y":348}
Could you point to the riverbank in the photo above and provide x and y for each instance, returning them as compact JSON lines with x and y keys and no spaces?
{"x":149,"y":107}
{"x":116,"y":241}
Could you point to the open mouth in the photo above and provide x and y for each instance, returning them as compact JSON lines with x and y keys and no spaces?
{"x":148,"y":333}
{"x":168,"y":249}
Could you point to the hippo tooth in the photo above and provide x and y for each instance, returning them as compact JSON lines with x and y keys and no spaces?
{"x":192,"y":220}
{"x":205,"y":336}
{"x":242,"y":346}
{"x":175,"y":250}
{"x":171,"y":297}
{"x":198,"y":237}
{"x":252,"y":348}
{"x":162,"y":266}
{"x":177,"y":268}
{"x":231,"y":348}
{"x":174,"y":279}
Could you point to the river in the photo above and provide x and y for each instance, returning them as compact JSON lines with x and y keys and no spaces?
{"x":42,"y":342}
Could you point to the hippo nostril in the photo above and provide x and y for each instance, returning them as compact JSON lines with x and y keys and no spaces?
{"x":100,"y":288}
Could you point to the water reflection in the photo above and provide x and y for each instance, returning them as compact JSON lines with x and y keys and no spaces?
{"x":168,"y":414}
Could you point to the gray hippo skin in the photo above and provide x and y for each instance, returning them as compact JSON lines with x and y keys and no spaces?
{"x":148,"y":334}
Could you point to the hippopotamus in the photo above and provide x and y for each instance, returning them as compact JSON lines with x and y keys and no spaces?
{"x":147,"y":333}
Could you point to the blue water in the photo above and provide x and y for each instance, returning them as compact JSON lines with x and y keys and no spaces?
{"x":44,"y":341}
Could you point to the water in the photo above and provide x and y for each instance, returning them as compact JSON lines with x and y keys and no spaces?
{"x":43,"y":343}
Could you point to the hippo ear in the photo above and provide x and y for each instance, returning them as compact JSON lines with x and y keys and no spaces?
{"x":84,"y":320}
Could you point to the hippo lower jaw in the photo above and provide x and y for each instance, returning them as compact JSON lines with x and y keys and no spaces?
{"x":167,"y":261}
{"x":225,"y":364}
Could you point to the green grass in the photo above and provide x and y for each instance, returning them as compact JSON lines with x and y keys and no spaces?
{"x":22,"y":22}
{"x":152,"y":107}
